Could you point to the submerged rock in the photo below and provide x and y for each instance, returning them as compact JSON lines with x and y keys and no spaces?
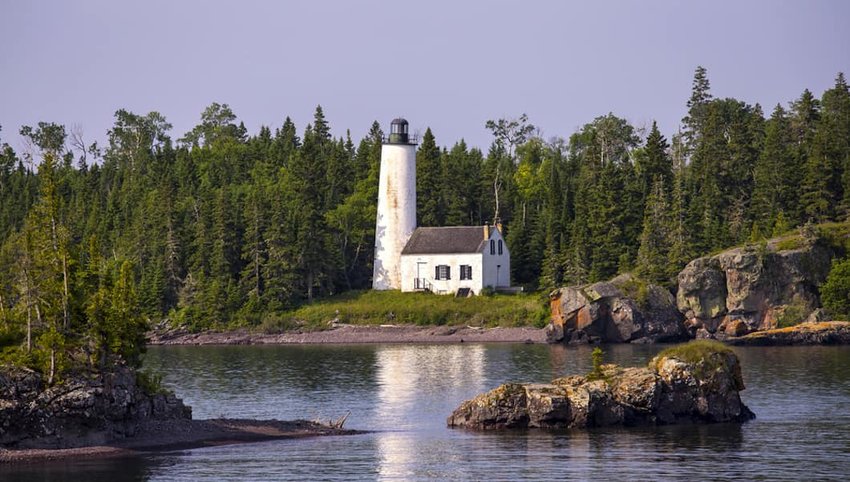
{"x":694,"y":383}
{"x":603,"y":312}
{"x":82,"y":410}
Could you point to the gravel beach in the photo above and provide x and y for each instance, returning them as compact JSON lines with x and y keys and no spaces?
{"x":181,"y":435}
{"x":344,"y":334}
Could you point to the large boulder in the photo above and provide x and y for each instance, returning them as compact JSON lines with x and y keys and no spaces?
{"x":620,"y":311}
{"x":751,"y":288}
{"x":695,"y":383}
{"x":82,"y":410}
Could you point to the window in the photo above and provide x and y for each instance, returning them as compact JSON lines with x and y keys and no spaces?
{"x":492,"y":247}
{"x":442,"y":271}
{"x":500,"y":247}
{"x":465,"y":271}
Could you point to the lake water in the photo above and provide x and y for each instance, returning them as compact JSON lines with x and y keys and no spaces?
{"x":801,"y":396}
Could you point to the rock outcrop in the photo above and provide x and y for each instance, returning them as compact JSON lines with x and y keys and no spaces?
{"x":813,"y":333}
{"x":696,"y":383}
{"x":604,"y":313}
{"x":80,"y":411}
{"x":749,"y":289}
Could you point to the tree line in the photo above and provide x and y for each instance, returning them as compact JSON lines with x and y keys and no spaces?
{"x":219,"y":227}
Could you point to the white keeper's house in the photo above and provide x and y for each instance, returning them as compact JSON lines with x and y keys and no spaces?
{"x":445,"y":260}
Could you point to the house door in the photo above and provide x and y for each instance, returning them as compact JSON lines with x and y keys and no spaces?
{"x":420,"y":283}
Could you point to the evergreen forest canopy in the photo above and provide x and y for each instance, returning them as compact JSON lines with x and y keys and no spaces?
{"x":225,"y":228}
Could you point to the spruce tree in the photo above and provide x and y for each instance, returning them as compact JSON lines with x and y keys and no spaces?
{"x":777,"y":176}
{"x":430,"y":207}
{"x":653,"y":254}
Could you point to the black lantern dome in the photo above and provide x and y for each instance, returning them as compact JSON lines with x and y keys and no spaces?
{"x":399,"y":133}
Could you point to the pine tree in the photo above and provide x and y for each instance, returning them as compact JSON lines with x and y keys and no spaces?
{"x":655,"y":162}
{"x":430,"y":207}
{"x":254,"y":251}
{"x":697,"y":105}
{"x":652,"y":257}
{"x":47,"y":274}
{"x":776,"y":176}
{"x":834,"y":134}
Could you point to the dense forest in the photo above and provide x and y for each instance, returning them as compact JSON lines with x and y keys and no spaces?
{"x":219,"y":227}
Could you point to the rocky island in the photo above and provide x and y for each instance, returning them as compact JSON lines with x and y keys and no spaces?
{"x":698,"y":382}
{"x":116,"y":414}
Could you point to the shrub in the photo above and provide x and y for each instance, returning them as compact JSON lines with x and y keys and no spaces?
{"x":835,"y":292}
{"x":487,"y":291}
{"x":151,"y":383}
{"x":597,"y":357}
{"x":635,"y":288}
{"x":793,"y":314}
{"x":274,"y":323}
{"x":790,"y":243}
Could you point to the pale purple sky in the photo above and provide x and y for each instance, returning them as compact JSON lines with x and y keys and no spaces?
{"x":450,"y":65}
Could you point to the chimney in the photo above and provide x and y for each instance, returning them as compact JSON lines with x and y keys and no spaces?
{"x":486,"y":232}
{"x":499,"y":227}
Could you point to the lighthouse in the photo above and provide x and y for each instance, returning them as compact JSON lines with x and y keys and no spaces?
{"x":396,"y":217}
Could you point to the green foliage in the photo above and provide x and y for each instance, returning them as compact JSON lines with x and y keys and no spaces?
{"x":597,"y":357}
{"x":151,"y":383}
{"x":793,"y":314}
{"x":635,"y":288}
{"x":694,"y":351}
{"x":393,"y":307}
{"x":790,"y":243}
{"x":229,"y":229}
{"x":835,"y":292}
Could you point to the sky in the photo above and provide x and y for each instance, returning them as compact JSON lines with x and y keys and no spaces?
{"x":447,"y":65}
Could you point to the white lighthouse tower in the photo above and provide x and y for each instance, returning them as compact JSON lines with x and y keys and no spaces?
{"x":396,"y":205}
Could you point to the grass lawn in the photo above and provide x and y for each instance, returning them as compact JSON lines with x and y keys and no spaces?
{"x":393,"y":307}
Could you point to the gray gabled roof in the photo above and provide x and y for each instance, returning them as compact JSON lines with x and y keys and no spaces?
{"x":446,"y":240}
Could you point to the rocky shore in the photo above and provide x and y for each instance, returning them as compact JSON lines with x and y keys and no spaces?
{"x":115,"y":413}
{"x":698,"y":382}
{"x":816,"y":333}
{"x":624,"y":310}
{"x":181,"y":435}
{"x":343,"y":334}
{"x":740,"y":295}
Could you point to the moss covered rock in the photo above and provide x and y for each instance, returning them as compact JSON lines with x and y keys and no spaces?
{"x":698,"y":382}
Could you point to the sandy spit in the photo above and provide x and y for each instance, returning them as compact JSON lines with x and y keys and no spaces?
{"x":182,"y":435}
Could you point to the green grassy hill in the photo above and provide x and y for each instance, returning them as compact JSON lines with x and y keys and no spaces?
{"x":393,"y":307}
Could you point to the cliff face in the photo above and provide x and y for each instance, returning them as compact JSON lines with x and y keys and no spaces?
{"x":673,"y":389}
{"x":80,"y":411}
{"x":603,"y":312}
{"x":746,"y":289}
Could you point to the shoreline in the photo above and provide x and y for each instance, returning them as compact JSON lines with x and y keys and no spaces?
{"x":357,"y":334}
{"x":170,"y":435}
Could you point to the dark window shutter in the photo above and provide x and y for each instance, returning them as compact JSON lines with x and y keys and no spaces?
{"x":437,"y":272}
{"x":448,"y":272}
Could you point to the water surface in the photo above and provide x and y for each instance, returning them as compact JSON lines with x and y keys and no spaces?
{"x":801,"y":396}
